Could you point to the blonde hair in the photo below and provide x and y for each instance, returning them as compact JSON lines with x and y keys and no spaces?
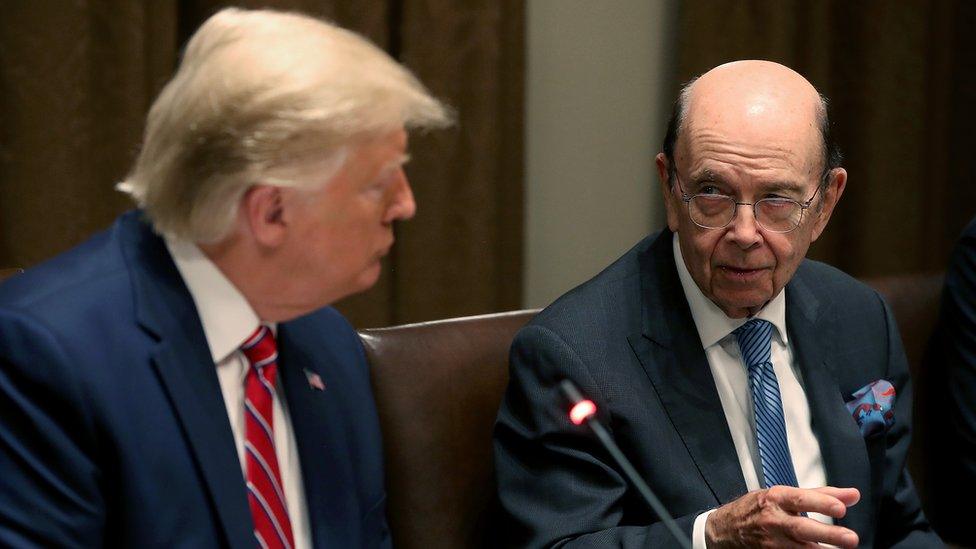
{"x":257,"y":93}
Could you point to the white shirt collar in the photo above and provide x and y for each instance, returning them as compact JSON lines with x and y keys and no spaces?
{"x":227,"y":318}
{"x":713,"y":325}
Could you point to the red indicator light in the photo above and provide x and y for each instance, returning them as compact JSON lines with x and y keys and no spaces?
{"x":582,"y":411}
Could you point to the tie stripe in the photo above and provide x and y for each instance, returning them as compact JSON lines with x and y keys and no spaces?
{"x":254,"y":415}
{"x":754,"y":338}
{"x":269,"y":514}
{"x":266,"y":499}
{"x":269,"y":473}
{"x":265,"y":361}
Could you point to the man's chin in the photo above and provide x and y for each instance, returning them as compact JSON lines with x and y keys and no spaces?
{"x":741,"y":306}
{"x":368,"y":278}
{"x":365,"y":280}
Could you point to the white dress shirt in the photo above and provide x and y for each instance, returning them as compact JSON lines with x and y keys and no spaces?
{"x":732,"y":382}
{"x":228,"y":321}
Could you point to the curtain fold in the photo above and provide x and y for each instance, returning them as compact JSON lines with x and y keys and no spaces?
{"x":76,"y":82}
{"x":78,"y":78}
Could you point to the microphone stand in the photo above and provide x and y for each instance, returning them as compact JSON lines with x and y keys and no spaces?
{"x":583,"y":410}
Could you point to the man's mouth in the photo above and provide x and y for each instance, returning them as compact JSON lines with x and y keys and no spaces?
{"x":741,"y":272}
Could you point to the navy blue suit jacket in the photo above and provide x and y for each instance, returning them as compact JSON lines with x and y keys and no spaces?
{"x":627,"y":338}
{"x":113,"y":429}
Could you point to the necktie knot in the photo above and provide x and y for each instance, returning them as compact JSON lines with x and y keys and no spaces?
{"x":753,"y":325}
{"x":754,"y":338}
{"x":260,"y":348}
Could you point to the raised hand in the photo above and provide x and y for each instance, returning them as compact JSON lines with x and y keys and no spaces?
{"x":774,"y":518}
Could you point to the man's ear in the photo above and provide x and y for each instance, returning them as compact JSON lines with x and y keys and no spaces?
{"x":667,"y":194}
{"x":263,"y":211}
{"x":831,"y":195}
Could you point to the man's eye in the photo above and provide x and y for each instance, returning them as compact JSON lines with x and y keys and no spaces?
{"x":382,"y":183}
{"x":778,"y":203}
{"x":709,"y":189}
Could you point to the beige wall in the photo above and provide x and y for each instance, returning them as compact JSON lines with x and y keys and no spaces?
{"x":597,"y":73}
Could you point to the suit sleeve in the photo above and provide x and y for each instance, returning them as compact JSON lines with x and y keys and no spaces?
{"x":557,"y":486}
{"x":901,"y":522}
{"x":50,"y":492}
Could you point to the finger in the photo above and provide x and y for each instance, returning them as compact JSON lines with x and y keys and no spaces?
{"x":802,"y":500}
{"x":849,"y":496}
{"x":806,"y":530}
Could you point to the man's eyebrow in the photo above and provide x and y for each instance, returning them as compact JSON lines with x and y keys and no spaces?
{"x":780,"y":186}
{"x":707,"y":175}
{"x":395,"y":163}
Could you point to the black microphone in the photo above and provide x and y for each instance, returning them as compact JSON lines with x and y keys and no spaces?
{"x":584,"y":410}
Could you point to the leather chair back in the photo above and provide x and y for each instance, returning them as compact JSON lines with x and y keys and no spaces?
{"x":438,"y":386}
{"x":914,"y":300}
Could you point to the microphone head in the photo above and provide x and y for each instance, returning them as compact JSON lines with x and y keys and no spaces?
{"x":581,"y":408}
{"x":582,"y":411}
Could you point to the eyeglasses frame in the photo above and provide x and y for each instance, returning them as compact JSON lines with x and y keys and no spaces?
{"x":686,"y":198}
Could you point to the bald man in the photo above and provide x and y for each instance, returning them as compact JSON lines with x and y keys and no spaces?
{"x":764,"y":397}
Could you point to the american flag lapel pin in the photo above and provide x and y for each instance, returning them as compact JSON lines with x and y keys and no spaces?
{"x":314,"y":380}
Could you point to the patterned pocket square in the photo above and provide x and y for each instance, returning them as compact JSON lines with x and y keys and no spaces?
{"x":871,"y":407}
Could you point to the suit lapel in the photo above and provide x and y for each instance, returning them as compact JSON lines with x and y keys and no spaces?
{"x":322,"y":447}
{"x":841,"y":445}
{"x":672,"y":356}
{"x":181,"y":358}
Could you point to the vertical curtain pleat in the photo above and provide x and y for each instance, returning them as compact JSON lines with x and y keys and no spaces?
{"x":77,"y":79}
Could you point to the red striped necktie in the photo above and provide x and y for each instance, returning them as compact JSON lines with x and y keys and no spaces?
{"x":265,"y":495}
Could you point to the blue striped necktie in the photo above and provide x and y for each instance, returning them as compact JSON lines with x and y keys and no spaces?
{"x":754,"y":338}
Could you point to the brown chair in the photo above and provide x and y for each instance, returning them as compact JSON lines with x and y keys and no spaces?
{"x":438,"y":386}
{"x":914,"y":300}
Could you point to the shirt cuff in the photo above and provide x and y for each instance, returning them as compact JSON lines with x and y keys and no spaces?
{"x":698,"y":534}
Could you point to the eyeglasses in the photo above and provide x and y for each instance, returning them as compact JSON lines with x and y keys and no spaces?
{"x":716,"y":211}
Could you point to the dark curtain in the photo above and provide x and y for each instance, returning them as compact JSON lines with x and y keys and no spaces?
{"x":901,"y":80}
{"x":78,"y":77}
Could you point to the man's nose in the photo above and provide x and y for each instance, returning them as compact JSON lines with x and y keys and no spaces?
{"x":403,"y":205}
{"x":744,"y":229}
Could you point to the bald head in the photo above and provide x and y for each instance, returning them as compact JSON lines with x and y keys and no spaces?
{"x":752,"y":100}
{"x":745,"y":158}
{"x":751,"y":88}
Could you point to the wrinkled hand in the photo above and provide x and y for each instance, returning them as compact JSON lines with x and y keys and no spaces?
{"x":772,"y":518}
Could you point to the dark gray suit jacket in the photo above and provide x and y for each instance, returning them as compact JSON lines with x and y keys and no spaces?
{"x":627,"y":338}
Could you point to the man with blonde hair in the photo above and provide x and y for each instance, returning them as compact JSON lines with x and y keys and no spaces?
{"x":179,"y":380}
